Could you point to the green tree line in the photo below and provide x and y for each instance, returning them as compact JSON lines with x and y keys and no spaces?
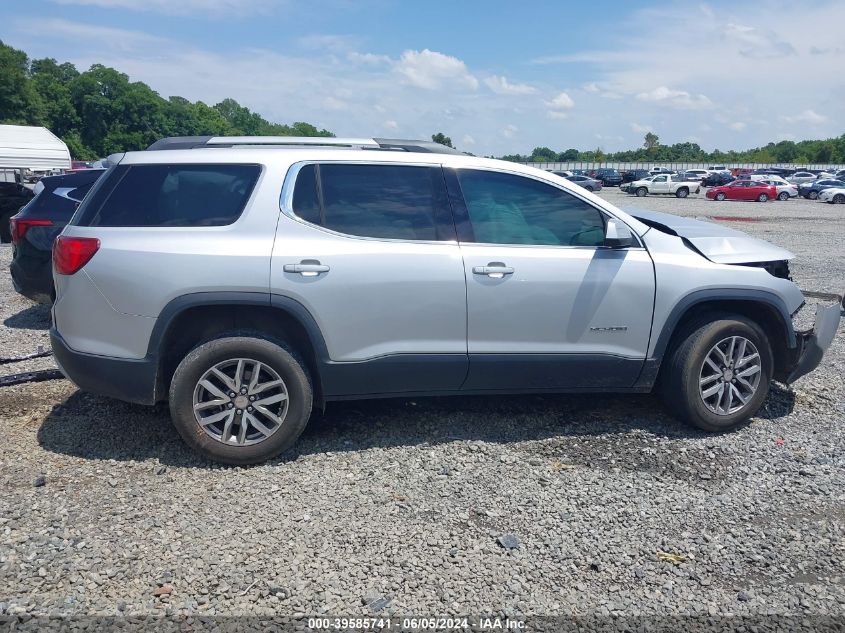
{"x":827,"y":151}
{"x":99,"y":111}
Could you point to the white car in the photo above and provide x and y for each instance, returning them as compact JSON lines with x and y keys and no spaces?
{"x":661,"y":184}
{"x":785,"y":189}
{"x":801,"y":176}
{"x":660,"y":170}
{"x":834,"y":195}
{"x":700,"y":173}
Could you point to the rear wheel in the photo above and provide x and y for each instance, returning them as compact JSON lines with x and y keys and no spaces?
{"x":813,"y":195}
{"x":589,"y":188}
{"x":641,"y":192}
{"x":839,"y":198}
{"x":783,"y":196}
{"x":240,"y":399}
{"x":762,"y":197}
{"x":720,"y":196}
{"x":717,"y":376}
{"x":683,"y":192}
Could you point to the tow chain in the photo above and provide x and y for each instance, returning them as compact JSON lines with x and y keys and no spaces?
{"x":38,"y":375}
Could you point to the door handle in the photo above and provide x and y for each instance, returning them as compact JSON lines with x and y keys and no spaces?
{"x":306,"y":268}
{"x":495,"y":270}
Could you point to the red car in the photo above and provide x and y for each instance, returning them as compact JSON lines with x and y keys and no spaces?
{"x":743,"y":190}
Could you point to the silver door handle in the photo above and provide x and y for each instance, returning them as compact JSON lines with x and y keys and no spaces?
{"x":306,"y":269}
{"x":495,"y":270}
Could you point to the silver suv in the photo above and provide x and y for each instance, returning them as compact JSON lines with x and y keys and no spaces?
{"x":247,"y":280}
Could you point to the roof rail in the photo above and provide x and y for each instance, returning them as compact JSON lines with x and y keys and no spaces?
{"x":406,"y":145}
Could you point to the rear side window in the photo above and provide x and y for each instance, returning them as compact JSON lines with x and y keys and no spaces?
{"x":404,"y":202}
{"x":171,"y":195}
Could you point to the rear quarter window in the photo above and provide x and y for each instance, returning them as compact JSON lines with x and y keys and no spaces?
{"x":170,"y":195}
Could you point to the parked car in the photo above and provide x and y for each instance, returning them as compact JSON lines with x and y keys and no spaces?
{"x":563,"y":174}
{"x":660,"y":170}
{"x":13,"y":195}
{"x":697,"y":174}
{"x":634,"y":174}
{"x":801,"y":176}
{"x":35,"y":227}
{"x":609,"y":177}
{"x":785,"y":190}
{"x":662,"y":184}
{"x":743,"y":190}
{"x":834,"y":195}
{"x":811,"y":190}
{"x":717,"y":179}
{"x":840,"y":175}
{"x":590,"y":184}
{"x":719,"y":168}
{"x":238,"y":284}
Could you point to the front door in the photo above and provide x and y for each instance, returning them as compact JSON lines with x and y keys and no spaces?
{"x":549,"y":307}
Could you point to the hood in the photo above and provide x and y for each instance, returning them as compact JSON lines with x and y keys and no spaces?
{"x":717,"y":243}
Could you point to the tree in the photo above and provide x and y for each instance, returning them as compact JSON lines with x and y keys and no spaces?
{"x":651,"y":141}
{"x":442,"y":139}
{"x":19,"y":103}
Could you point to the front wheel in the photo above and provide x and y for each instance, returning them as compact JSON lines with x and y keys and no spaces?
{"x":839,"y":198}
{"x":783,"y":196}
{"x":240,"y":399}
{"x":720,"y":196}
{"x":683,"y":192}
{"x":717,"y":375}
{"x":641,"y":192}
{"x":762,"y":197}
{"x":813,"y":195}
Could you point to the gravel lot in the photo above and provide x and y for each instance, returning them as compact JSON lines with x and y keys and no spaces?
{"x":518,"y":506}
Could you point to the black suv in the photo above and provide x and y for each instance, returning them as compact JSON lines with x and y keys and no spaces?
{"x":634,"y":174}
{"x":13,"y":195}
{"x":608,"y":177}
{"x":717,"y":179}
{"x":36,"y":226}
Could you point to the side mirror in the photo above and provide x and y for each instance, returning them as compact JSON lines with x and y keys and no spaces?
{"x":618,"y":235}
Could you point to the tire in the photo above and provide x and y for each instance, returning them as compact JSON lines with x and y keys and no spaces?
{"x":683,"y":192}
{"x":839,"y":198}
{"x":686,"y":367}
{"x":290,"y":402}
{"x":783,"y":196}
{"x":762,"y":197}
{"x":813,"y":195}
{"x":720,"y":196}
{"x":641,"y":192}
{"x":589,"y":188}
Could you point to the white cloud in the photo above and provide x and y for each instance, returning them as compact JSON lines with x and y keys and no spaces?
{"x":755,"y":43}
{"x":592,"y":87}
{"x":501,"y":86}
{"x":68,"y":31}
{"x":509,"y":131}
{"x":561,"y":102}
{"x":333,"y":103}
{"x":641,"y":129}
{"x":557,"y":114}
{"x":432,"y":70}
{"x":467,"y":140}
{"x":679,"y":99}
{"x":807,"y":116}
{"x":330,"y":43}
{"x":368,"y":58}
{"x":739,"y":126}
{"x":183,"y":7}
{"x":391,"y":125}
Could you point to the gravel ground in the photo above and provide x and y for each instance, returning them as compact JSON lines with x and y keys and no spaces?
{"x":520,"y":506}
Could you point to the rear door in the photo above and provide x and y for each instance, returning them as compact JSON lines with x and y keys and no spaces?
{"x":370,"y":251}
{"x":549,"y":307}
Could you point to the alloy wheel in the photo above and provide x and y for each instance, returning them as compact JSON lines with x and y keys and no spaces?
{"x":240,"y":401}
{"x":730,"y":375}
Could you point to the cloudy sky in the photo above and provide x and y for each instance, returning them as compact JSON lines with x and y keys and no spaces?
{"x":497,"y":76}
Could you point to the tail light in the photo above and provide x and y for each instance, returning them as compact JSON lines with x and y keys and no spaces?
{"x":19,"y":227}
{"x":72,"y":253}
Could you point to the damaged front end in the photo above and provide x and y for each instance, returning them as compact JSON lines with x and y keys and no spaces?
{"x":812,"y":343}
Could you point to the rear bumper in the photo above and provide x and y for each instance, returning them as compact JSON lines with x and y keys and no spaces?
{"x":121,"y":378}
{"x":813,"y":343}
{"x":33,"y":280}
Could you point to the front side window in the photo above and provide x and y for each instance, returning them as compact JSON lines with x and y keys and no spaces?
{"x":173,"y":195}
{"x":510,"y":209}
{"x":382,"y":201}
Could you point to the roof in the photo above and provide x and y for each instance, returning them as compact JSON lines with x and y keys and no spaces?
{"x":288,"y":142}
{"x":34,"y":148}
